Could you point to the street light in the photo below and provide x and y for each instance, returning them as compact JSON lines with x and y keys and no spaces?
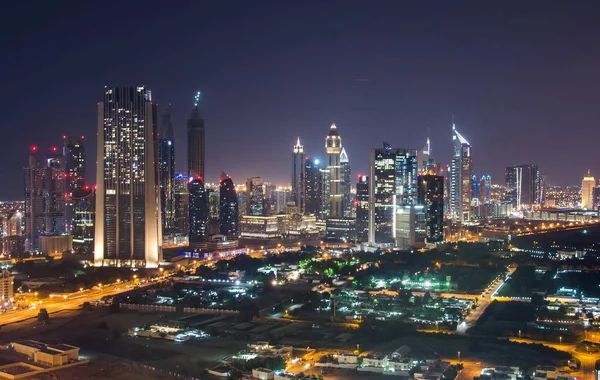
{"x":459,"y":356}
{"x":560,"y":339}
{"x":519,"y":334}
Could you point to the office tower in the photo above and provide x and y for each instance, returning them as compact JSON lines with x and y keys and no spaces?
{"x":475,"y":186}
{"x":362,"y":209}
{"x":74,"y":153}
{"x":298,"y":177}
{"x":195,"y":136}
{"x":460,"y":179}
{"x":166,"y":159}
{"x":269,"y":201}
{"x":587,"y":192}
{"x":410,"y":226}
{"x":280,"y":199}
{"x":313,"y":187}
{"x":180,"y":188}
{"x":255,"y":196}
{"x":333,"y":147}
{"x":45,"y":196}
{"x":485,"y":189}
{"x":345,"y":185}
{"x":325,"y":194}
{"x":198,"y":211}
{"x":431,"y":196}
{"x":84,"y":204}
{"x":423,"y":158}
{"x":213,"y":201}
{"x":228,"y":208}
{"x":523,"y":186}
{"x":382,"y":197}
{"x":392,"y":183}
{"x":127,"y":228}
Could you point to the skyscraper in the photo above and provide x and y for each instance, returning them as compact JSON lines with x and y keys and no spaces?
{"x":313,"y":187}
{"x":255,"y":196}
{"x":460,"y":179}
{"x":346,"y":186}
{"x":587,"y":192}
{"x":485,"y":189}
{"x":333,"y":147}
{"x":84,"y":204}
{"x":127,"y":228}
{"x":475,"y":187}
{"x":362,"y":209}
{"x":406,"y":177}
{"x":523,"y":186}
{"x":431,"y":195}
{"x":228,"y":208}
{"x":423,"y":157}
{"x":382,"y":197}
{"x":45,"y":196}
{"x":166,"y":159}
{"x":180,"y":188}
{"x":298,"y":177}
{"x":198,"y":211}
{"x":74,"y":152}
{"x":195,"y":136}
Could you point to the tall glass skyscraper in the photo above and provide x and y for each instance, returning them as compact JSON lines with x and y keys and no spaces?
{"x":362,"y":209}
{"x":195,"y":136}
{"x":127,"y":228}
{"x":523,"y":186}
{"x":166,"y":159}
{"x":74,"y":152}
{"x":460,"y":179}
{"x":313,"y":187}
{"x":84,"y":203}
{"x":198,"y":211}
{"x":333,"y":148}
{"x":181,"y":224}
{"x":255,"y":196}
{"x":346,"y":185}
{"x":298,"y":177}
{"x":431,"y":195}
{"x":228,"y":208}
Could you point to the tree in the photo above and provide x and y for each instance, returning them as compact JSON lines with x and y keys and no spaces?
{"x":43,"y":316}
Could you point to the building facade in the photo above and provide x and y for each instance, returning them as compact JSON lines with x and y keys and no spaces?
{"x":523,"y":189}
{"x":255,"y":196}
{"x":299,"y":177}
{"x":460,"y":179}
{"x":362,"y":209}
{"x":84,"y":206}
{"x":333,"y":148}
{"x":228,"y":209}
{"x":587,"y":192}
{"x":346,"y":184}
{"x":127,"y":228}
{"x":196,"y":141}
{"x":313,"y":187}
{"x":198,"y":211}
{"x":74,"y":153}
{"x":181,"y":200}
{"x":166,"y":159}
{"x":431,"y":196}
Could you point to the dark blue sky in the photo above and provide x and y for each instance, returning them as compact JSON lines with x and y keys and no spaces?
{"x":522,"y":78}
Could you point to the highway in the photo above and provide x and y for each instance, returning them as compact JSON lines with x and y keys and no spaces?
{"x":71,"y":301}
{"x":484,"y":302}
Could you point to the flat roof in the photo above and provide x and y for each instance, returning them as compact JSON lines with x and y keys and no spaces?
{"x":31,"y":343}
{"x":62,"y":347}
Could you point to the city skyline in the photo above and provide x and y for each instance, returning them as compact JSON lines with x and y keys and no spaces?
{"x":395,"y":91}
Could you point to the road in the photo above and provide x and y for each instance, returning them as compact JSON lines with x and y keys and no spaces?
{"x":72,"y":301}
{"x":587,"y":370}
{"x":484,"y":302}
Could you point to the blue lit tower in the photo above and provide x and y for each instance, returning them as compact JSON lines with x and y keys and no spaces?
{"x":166,"y":159}
{"x":198,"y":210}
{"x":298,"y":177}
{"x":127,"y":228}
{"x":228,"y":208}
{"x":195,"y":136}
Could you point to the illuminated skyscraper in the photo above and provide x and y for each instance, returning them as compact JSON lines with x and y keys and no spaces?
{"x":180,"y":185}
{"x":333,"y":147}
{"x":198,"y":211}
{"x":382,"y":197}
{"x":423,"y":158}
{"x":313,"y":187}
{"x":587,"y":192}
{"x":485,"y":189}
{"x":45,"y":196}
{"x":346,"y":185}
{"x":431,"y":195}
{"x":362,"y":209}
{"x":255,"y":197}
{"x":84,"y":205}
{"x":74,"y":152}
{"x":460,"y":179}
{"x":127,"y":228}
{"x":298,"y":177}
{"x":228,"y":209}
{"x":166,"y":158}
{"x":523,"y":187}
{"x":195,"y":136}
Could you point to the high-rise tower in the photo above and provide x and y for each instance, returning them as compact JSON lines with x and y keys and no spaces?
{"x":587,"y":192}
{"x":299,"y":177}
{"x":460,"y":179}
{"x":313,"y":187}
{"x":195,"y":136}
{"x":346,"y":185}
{"x":74,"y":152}
{"x":127,"y":228}
{"x":198,"y":211}
{"x":166,"y":159}
{"x":523,"y":188}
{"x":362,"y":209}
{"x":255,"y":196}
{"x":431,"y":196}
{"x":228,"y":208}
{"x":333,"y":148}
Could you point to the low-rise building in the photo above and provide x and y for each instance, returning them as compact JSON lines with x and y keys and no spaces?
{"x":49,"y":355}
{"x":263,"y":374}
{"x":379,"y":361}
{"x":7,"y":287}
{"x":347,"y":359}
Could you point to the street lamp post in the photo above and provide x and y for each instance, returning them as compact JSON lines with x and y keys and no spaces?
{"x":560,"y":339}
{"x":519,"y":334}
{"x":459,"y":356}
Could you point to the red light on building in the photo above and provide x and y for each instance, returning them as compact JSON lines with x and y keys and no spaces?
{"x":54,"y":149}
{"x":33,"y":148}
{"x":86,"y":187}
{"x":82,"y":137}
{"x":64,"y":137}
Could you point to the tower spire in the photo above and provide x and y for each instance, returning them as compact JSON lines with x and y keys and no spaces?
{"x":197,"y":98}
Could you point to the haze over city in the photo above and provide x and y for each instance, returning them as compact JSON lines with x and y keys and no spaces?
{"x":520,"y":79}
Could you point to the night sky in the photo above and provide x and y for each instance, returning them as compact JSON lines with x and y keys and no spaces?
{"x":521,"y":77}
